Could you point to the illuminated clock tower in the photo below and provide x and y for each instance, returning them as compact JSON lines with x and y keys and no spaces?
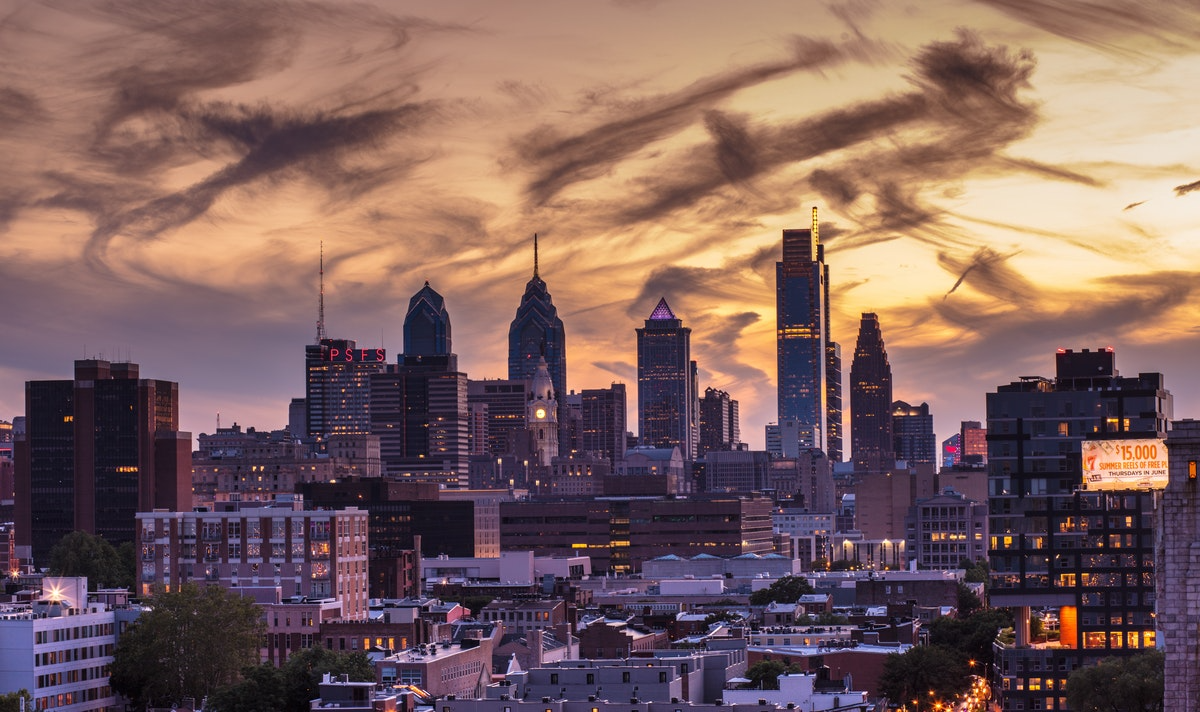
{"x":541,"y":416}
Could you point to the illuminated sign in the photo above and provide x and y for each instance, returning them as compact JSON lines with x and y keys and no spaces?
{"x":356,"y":355}
{"x":1124,"y":464}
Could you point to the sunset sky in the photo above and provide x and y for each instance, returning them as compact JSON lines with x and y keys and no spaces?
{"x":996,"y":179}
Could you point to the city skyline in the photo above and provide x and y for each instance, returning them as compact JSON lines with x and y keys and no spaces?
{"x":173,"y":172}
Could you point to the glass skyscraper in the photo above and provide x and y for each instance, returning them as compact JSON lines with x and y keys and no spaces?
{"x":809,"y":362}
{"x":537,"y":332}
{"x":667,"y":399}
{"x":871,"y":400}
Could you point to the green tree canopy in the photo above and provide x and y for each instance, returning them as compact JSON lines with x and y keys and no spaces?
{"x":292,"y":687}
{"x":189,"y":643}
{"x":11,"y":702}
{"x":82,"y":554}
{"x":1123,"y":684}
{"x":788,"y":589}
{"x":971,"y":637}
{"x":765,"y":674}
{"x":968,"y":603}
{"x":923,"y":670}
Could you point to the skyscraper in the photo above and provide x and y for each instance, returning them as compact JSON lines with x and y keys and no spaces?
{"x":809,"y":362}
{"x":667,"y":401}
{"x":871,"y":400}
{"x":95,"y":451}
{"x":537,"y":332}
{"x":912,"y":434}
{"x":337,"y":377}
{"x":419,"y":406}
{"x":1057,"y":541}
{"x":719,"y":427}
{"x":604,"y":428}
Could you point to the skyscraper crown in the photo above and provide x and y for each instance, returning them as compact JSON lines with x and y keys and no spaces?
{"x":662,"y":312}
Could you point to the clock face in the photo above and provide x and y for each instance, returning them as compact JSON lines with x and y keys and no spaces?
{"x":539,"y":413}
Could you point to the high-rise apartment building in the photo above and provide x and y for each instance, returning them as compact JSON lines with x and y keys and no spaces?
{"x":604,"y":422}
{"x":719,"y":428}
{"x":95,"y":451}
{"x":972,"y":439}
{"x":809,"y":361}
{"x":912,"y":434}
{"x":871,"y":400}
{"x":419,"y":406}
{"x":667,"y":399}
{"x":537,"y":332}
{"x":1059,"y":542}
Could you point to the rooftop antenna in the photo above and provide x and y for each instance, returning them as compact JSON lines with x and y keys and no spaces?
{"x":321,"y":299}
{"x":816,"y":236}
{"x":535,"y":256}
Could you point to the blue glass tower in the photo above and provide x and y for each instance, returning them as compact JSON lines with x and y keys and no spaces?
{"x":427,"y":324}
{"x":809,"y":362}
{"x":537,"y":332}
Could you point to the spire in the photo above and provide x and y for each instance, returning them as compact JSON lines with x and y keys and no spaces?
{"x":535,"y":256}
{"x":815,"y":234}
{"x":662,"y":311}
{"x":321,"y":298}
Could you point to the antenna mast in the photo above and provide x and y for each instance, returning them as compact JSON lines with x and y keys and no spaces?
{"x":816,"y":236}
{"x":535,"y":256}
{"x":321,"y":298}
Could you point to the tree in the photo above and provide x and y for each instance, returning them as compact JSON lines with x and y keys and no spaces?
{"x":926,"y":673}
{"x":11,"y":702}
{"x":764,"y":674}
{"x":976,"y":571}
{"x":292,"y":687}
{"x":788,"y":589}
{"x":82,"y":554}
{"x":188,"y":643}
{"x":971,"y":637}
{"x":1124,"y":684}
{"x":968,"y":603}
{"x":303,"y":671}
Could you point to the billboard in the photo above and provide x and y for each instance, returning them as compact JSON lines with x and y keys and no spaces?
{"x":1124,"y":464}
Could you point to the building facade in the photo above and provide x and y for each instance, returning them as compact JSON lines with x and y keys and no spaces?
{"x":537,"y":332}
{"x":604,"y":426}
{"x":419,"y":406}
{"x":619,"y":534}
{"x":945,"y":529}
{"x":95,"y":451}
{"x":871,"y":400}
{"x":809,"y":361}
{"x":311,"y":554}
{"x":719,"y":427}
{"x":1054,"y":543}
{"x":337,"y":394}
{"x":912,"y":434}
{"x":667,"y":398}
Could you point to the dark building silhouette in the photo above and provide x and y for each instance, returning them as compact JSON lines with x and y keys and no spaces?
{"x":912,"y":434}
{"x":419,"y":406}
{"x":401,"y":515}
{"x":537,"y":332}
{"x":667,"y":398}
{"x":871,"y":400}
{"x":604,"y":425}
{"x":620,"y":534}
{"x":504,"y":403}
{"x":809,"y":361}
{"x":1055,"y":541}
{"x":95,"y":451}
{"x":719,"y":427}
